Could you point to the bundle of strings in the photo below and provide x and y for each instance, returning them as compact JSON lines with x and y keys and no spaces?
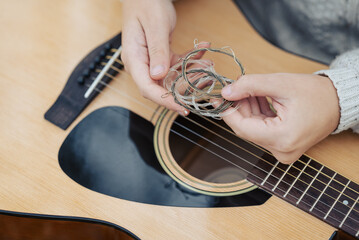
{"x":196,"y":85}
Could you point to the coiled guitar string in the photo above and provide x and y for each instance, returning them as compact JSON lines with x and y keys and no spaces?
{"x":198,"y":88}
{"x":294,"y":187}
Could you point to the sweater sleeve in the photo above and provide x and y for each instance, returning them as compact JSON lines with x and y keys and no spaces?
{"x":344,"y":73}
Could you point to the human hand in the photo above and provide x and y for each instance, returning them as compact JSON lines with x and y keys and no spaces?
{"x":307,"y":110}
{"x":146,"y":53}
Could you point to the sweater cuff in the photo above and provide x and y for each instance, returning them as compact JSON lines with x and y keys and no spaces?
{"x":346,"y":81}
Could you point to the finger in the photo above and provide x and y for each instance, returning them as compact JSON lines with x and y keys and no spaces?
{"x":133,"y":45}
{"x":136,"y":61}
{"x":158,"y":49}
{"x":244,"y":108}
{"x":265,"y":108}
{"x":260,"y":131}
{"x":259,"y":85}
{"x":254,"y":106}
{"x":150,"y":90}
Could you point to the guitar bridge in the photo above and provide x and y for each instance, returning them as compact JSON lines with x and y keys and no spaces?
{"x":88,"y":78}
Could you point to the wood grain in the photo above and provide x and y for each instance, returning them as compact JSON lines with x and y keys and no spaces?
{"x":41,"y":43}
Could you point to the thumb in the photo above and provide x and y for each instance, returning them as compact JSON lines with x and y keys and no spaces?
{"x":159,"y":52}
{"x":254,"y":85}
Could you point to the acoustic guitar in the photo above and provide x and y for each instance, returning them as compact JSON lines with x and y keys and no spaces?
{"x":113,"y":165}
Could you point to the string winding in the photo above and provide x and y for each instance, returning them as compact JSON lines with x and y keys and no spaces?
{"x":196,"y":86}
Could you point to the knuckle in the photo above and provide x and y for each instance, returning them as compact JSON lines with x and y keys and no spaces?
{"x":155,"y":50}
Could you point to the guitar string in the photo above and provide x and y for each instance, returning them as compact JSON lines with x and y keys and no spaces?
{"x":234,"y":164}
{"x":219,"y":146}
{"x":131,"y":98}
{"x":299,"y":160}
{"x":113,"y":77}
{"x":279,"y":188}
{"x":294,"y":167}
{"x":282,"y":170}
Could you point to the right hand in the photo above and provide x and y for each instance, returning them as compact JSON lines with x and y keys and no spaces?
{"x":146,"y":54}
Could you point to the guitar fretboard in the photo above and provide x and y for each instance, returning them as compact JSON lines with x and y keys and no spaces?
{"x":313,"y":188}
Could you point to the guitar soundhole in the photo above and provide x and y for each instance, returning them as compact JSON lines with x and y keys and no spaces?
{"x":205,"y":148}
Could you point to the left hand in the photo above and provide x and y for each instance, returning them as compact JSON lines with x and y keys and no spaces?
{"x":307,"y":110}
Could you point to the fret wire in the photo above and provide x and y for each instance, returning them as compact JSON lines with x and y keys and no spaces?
{"x":259,"y":147}
{"x":214,"y":123}
{"x":248,"y":162}
{"x":294,"y":167}
{"x":281,"y":178}
{"x":270,"y":163}
{"x":266,"y":151}
{"x":336,"y":200}
{"x":295,"y":180}
{"x":248,"y":172}
{"x":253,"y":153}
{"x":309,"y":185}
{"x":326,"y":186}
{"x":341,"y":224}
{"x":243,"y":139}
{"x":269,"y":173}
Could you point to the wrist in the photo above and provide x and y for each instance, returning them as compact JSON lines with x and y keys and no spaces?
{"x":346,"y":84}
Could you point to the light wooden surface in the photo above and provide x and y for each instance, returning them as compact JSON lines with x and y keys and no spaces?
{"x":42,"y":41}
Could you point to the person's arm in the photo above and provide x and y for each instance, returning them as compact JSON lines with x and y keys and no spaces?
{"x":146,"y":36}
{"x":344,"y":73}
{"x":146,"y":54}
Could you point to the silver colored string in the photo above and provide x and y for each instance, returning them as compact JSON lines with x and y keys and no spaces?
{"x":131,"y":98}
{"x":198,"y":88}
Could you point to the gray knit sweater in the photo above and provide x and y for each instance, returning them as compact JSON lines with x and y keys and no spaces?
{"x":321,"y":30}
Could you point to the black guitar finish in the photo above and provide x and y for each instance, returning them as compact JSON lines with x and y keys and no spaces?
{"x":25,"y":226}
{"x":111,"y":152}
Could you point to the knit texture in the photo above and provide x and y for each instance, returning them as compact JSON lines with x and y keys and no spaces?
{"x":317,"y":29}
{"x":321,"y":30}
{"x":344,"y":73}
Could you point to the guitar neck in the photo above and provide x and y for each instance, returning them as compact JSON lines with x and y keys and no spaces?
{"x":312,"y":187}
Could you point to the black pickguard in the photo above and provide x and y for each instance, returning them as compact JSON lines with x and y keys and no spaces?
{"x":111,"y":152}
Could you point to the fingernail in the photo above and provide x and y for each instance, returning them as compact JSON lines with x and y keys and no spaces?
{"x":156,"y":70}
{"x":183,"y":113}
{"x":226,"y":91}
